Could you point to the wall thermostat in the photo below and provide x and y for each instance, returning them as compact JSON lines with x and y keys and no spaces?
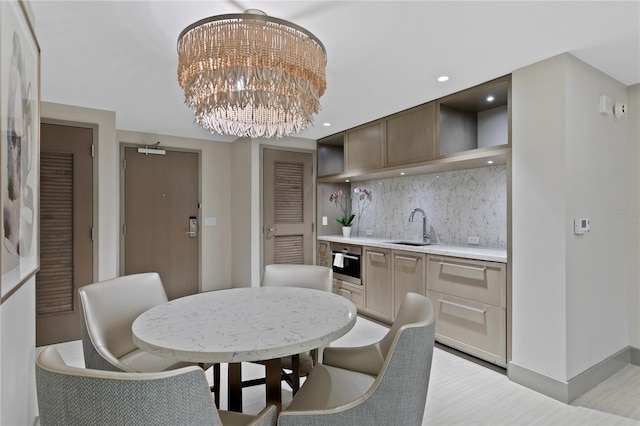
{"x":581,"y":226}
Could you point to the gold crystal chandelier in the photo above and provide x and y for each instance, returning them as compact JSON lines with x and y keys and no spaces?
{"x":251,"y":75}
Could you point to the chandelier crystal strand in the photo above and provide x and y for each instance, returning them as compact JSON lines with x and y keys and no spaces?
{"x":251,"y":75}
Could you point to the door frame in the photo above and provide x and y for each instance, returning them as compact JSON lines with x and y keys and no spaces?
{"x":95,"y":206}
{"x":121,"y":242}
{"x":314,"y":225}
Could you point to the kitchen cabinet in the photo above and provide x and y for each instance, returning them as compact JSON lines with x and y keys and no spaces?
{"x":377,"y":282}
{"x":352,"y":292}
{"x":408,"y":276}
{"x":330,"y":155}
{"x":469,"y":297}
{"x":411,"y":135}
{"x":474,"y":118}
{"x":365,"y":146}
{"x":323,"y":254}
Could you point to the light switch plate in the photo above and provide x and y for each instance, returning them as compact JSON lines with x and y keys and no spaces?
{"x":473,"y":240}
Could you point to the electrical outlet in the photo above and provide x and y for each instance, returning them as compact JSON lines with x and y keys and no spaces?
{"x":369,"y":232}
{"x":473,"y":240}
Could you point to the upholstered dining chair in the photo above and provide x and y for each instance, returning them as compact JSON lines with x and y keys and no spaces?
{"x":384,"y":383}
{"x":294,"y":275}
{"x":79,"y":396}
{"x":108,"y":309}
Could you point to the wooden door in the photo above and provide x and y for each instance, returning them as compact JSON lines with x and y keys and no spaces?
{"x":287,"y":207}
{"x":66,"y":222}
{"x":161,"y":197}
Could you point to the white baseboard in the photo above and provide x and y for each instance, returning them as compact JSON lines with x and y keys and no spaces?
{"x":568,"y":391}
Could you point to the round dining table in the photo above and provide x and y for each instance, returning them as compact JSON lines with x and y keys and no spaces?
{"x":245,"y":324}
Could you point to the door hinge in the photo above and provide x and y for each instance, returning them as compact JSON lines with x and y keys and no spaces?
{"x":124,"y":230}
{"x":92,"y":150}
{"x":92,"y":233}
{"x":124,"y":164}
{"x":313,"y":227}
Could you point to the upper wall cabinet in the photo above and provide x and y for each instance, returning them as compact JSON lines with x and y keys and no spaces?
{"x":411,"y":135}
{"x":464,"y":130}
{"x":330,"y":155}
{"x":365,"y":147}
{"x":475,"y":118}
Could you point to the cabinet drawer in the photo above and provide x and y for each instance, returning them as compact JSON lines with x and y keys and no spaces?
{"x":477,"y":280}
{"x":350,"y":292}
{"x":476,"y":328}
{"x":323,"y":254}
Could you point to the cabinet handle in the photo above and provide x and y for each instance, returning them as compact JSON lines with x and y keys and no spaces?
{"x":346,"y":256}
{"x":473,"y":268}
{"x":415,"y":259}
{"x":480,"y":311}
{"x":375,"y":253}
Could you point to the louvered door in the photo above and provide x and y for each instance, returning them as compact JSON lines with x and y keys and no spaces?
{"x":66,"y":221}
{"x":287,"y":200}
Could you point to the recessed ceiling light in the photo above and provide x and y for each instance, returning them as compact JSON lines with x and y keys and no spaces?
{"x":401,"y":173}
{"x":326,"y":124}
{"x":490,"y":98}
{"x":490,"y":162}
{"x":443,"y":78}
{"x":346,"y":180}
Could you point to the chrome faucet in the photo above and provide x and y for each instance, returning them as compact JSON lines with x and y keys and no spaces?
{"x":425,"y":235}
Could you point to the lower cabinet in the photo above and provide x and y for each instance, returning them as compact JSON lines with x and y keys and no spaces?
{"x":469,"y":297}
{"x":408,"y":276}
{"x":323,"y":254}
{"x":352,"y":292}
{"x":377,"y":279}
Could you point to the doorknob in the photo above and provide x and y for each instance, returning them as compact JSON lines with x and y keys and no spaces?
{"x":193,"y":227}
{"x":271,"y":229}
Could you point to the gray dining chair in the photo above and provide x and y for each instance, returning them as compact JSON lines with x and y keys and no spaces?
{"x":294,"y":275}
{"x":384,"y":383}
{"x":79,"y":396}
{"x":108,"y":309}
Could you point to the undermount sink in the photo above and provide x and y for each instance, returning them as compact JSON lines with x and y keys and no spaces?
{"x":409,"y":243}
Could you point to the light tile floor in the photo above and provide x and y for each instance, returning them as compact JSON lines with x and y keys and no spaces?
{"x":463,"y":392}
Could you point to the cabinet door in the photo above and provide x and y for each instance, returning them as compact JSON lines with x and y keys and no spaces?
{"x":365,"y":147}
{"x":377,"y":270}
{"x":411,"y":135}
{"x":408,"y":276}
{"x":324,"y":253}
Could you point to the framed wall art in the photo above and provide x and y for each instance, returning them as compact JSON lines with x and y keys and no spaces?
{"x":19,"y":147}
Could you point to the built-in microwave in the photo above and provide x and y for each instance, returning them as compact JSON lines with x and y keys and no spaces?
{"x":346,"y":262}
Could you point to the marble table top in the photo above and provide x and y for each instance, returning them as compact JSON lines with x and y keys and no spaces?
{"x":243,"y":324}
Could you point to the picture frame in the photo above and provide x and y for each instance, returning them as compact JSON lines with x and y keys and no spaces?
{"x":19,"y":147}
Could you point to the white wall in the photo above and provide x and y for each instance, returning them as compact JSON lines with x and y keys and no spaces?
{"x":17,"y":357}
{"x":215,"y":189}
{"x":634,"y":212}
{"x":569,"y":291}
{"x":538,"y":218}
{"x":242,"y":175}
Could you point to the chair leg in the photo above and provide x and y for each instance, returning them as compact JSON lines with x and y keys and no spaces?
{"x":295,"y":373}
{"x":216,"y":383}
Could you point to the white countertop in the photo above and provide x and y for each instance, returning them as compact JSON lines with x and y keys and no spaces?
{"x":244,"y":324}
{"x":492,"y":254}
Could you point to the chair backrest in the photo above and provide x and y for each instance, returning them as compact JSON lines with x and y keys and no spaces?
{"x":403,"y":381}
{"x":108,"y":309}
{"x":399,"y":393}
{"x":77,"y":396}
{"x":306,"y":276}
{"x":414,"y":309}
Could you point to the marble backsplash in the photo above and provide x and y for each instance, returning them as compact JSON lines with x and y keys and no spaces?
{"x":458,"y":204}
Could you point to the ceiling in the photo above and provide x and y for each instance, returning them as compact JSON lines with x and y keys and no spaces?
{"x":383,"y":56}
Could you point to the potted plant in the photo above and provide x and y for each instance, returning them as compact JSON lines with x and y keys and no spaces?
{"x":343,"y":201}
